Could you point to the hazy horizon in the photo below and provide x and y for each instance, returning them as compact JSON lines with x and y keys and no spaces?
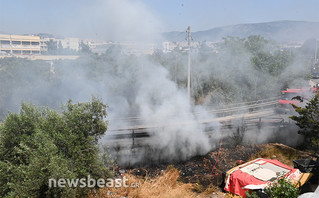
{"x":142,"y":19}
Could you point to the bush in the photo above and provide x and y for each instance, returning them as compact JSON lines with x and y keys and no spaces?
{"x":39,"y":144}
{"x":282,"y":189}
{"x":252,"y":194}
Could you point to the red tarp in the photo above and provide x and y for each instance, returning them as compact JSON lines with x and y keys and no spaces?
{"x":257,"y":173}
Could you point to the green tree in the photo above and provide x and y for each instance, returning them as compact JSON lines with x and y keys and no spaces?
{"x":271,"y":63}
{"x":52,"y":47}
{"x":234,"y":45}
{"x":308,"y":122}
{"x":257,"y":43}
{"x":39,"y":144}
{"x":60,"y":49}
{"x":21,"y":80}
{"x":84,"y":48}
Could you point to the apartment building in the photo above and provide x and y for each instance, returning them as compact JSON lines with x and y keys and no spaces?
{"x":19,"y":44}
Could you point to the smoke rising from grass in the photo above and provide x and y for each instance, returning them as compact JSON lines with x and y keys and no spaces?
{"x":166,"y":112}
{"x":138,"y":86}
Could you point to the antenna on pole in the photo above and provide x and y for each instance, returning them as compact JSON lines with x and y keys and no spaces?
{"x":189,"y":63}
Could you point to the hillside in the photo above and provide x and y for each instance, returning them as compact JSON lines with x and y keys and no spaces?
{"x":278,"y":30}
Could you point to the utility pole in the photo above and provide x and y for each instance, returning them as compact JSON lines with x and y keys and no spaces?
{"x":189,"y":38}
{"x":316,"y":51}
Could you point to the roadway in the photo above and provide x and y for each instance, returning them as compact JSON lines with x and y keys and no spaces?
{"x":253,"y":114}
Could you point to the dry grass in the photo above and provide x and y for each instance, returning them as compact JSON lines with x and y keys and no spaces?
{"x":165,"y":185}
{"x":281,"y":152}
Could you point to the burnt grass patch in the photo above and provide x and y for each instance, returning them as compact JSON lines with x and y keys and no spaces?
{"x":198,"y":169}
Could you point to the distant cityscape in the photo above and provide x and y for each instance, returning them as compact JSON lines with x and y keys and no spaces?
{"x":46,"y":46}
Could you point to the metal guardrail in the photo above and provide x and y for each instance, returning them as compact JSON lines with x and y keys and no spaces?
{"x":257,"y":114}
{"x":244,"y":103}
{"x":136,"y":137}
{"x":221,"y":112}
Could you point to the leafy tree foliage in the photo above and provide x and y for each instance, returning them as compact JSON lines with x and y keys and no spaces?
{"x":282,"y":189}
{"x":242,"y":69}
{"x":39,"y":144}
{"x":308,"y":122}
{"x":52,"y":47}
{"x":19,"y":76}
{"x":84,"y":48}
{"x":234,"y":45}
{"x":272,"y":64}
{"x":256,"y":43}
{"x":56,"y":48}
{"x":175,"y":62}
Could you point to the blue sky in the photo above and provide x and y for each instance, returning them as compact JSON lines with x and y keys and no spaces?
{"x":114,"y":18}
{"x":205,"y":14}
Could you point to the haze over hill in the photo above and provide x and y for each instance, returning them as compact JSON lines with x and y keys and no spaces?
{"x":281,"y":31}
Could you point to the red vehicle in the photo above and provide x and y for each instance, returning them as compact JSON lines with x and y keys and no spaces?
{"x":284,"y":105}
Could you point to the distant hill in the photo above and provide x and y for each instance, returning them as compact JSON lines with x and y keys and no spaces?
{"x":281,"y":31}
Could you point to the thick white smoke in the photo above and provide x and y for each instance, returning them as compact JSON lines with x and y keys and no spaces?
{"x":142,"y":88}
{"x":164,"y":109}
{"x":138,"y":87}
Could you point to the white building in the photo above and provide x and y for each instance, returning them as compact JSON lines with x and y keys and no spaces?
{"x":19,"y":44}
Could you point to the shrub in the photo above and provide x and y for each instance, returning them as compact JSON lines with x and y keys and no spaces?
{"x":282,"y":189}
